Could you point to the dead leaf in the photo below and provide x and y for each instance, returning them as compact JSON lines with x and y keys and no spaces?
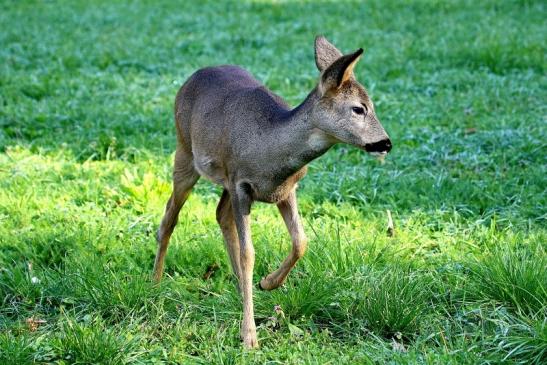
{"x":33,"y":323}
{"x":210,"y":271}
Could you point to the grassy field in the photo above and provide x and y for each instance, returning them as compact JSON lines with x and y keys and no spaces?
{"x":86,"y":150}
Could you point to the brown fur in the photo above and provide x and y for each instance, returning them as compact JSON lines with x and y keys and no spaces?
{"x":235,"y":132}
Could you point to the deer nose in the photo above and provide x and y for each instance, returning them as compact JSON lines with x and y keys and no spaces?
{"x":380,"y":146}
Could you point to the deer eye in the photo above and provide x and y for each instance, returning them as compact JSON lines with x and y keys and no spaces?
{"x":358,"y":110}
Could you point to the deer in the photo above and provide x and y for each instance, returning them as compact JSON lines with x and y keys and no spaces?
{"x":235,"y":132}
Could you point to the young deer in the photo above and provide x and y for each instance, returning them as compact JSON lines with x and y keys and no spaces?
{"x":235,"y":132}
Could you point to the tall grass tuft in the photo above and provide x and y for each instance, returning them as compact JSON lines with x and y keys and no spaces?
{"x":519,"y":339}
{"x":394,"y":300}
{"x":514,"y":277}
{"x":98,"y":287}
{"x":93,"y":342}
{"x":15,"y":349}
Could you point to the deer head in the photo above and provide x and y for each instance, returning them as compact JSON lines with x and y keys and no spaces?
{"x":344,"y":111}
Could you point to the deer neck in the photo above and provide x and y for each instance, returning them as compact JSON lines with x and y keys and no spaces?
{"x":297,"y":139}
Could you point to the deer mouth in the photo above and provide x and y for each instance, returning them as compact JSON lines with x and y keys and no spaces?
{"x":378,"y":154}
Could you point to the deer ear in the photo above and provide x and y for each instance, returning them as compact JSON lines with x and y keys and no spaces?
{"x":340,"y":71}
{"x":325,"y":53}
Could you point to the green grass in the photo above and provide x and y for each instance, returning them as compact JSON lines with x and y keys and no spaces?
{"x":86,"y":149}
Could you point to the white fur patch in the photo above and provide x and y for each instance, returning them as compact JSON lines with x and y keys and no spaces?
{"x":318,"y":140}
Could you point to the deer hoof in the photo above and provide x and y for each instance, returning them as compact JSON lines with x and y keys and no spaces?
{"x":265,"y":284}
{"x":249,"y":339}
{"x":268,"y":284}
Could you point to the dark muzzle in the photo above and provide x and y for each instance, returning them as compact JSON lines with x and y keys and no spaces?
{"x":383,"y":146}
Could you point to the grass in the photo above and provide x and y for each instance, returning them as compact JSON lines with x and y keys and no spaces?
{"x":86,"y":149}
{"x":515,"y":277}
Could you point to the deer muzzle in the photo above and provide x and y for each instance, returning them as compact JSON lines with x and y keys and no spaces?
{"x":380,"y":147}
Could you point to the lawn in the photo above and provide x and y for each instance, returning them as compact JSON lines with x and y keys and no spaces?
{"x":86,"y":151}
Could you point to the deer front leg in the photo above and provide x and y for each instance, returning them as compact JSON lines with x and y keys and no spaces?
{"x":241,"y":205}
{"x":289,"y":211}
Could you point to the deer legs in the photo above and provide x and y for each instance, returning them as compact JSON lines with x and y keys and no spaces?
{"x":289,"y":211}
{"x":233,"y":216}
{"x":225,"y":219}
{"x":184,"y":178}
{"x":241,"y":205}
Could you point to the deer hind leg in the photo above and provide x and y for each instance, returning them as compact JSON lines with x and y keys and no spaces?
{"x":184,"y":178}
{"x":289,"y":211}
{"x":225,"y":219}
